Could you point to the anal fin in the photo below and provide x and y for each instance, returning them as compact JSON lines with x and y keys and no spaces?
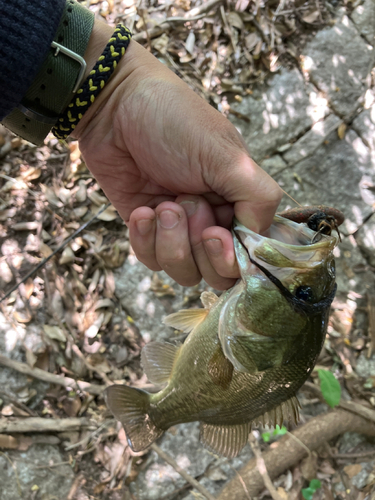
{"x":226,"y":440}
{"x":157,"y":359}
{"x":287,"y":411}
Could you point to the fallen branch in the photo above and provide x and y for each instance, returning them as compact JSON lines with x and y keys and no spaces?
{"x":263,"y":469}
{"x":169,"y":22}
{"x":288,"y":452}
{"x":51,"y":378}
{"x":182,"y":473}
{"x":37,"y":424}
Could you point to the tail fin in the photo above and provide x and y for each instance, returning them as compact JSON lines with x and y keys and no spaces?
{"x":131,"y":407}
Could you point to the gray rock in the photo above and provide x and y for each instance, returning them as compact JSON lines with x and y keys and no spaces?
{"x":273,"y":165}
{"x":279,"y":112}
{"x":364,"y":125}
{"x":182,"y":444}
{"x":338,"y":61}
{"x":52,"y":482}
{"x":366,"y":240}
{"x":360,"y":480}
{"x":365,"y":366}
{"x":338,"y":175}
{"x":363,"y":16}
{"x":308,"y":143}
{"x":133,"y":288}
{"x":351,"y":440}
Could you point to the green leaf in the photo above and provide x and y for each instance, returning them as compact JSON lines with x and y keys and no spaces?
{"x":330,"y":387}
{"x":266,"y":436}
{"x":280,"y":431}
{"x":315,"y":484}
{"x":308,"y":493}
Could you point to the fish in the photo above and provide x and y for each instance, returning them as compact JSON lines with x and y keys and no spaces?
{"x":248,"y":351}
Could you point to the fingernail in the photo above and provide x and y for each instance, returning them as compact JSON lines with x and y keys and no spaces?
{"x":189,"y":206}
{"x":144,"y":226}
{"x":214,"y":246}
{"x":168,"y":219}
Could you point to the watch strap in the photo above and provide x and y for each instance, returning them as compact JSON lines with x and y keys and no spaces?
{"x":60,"y":75}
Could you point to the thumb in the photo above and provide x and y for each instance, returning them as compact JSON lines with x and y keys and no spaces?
{"x":255,"y":195}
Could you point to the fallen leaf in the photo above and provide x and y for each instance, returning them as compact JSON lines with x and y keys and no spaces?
{"x":7,"y":411}
{"x":54,"y":332}
{"x":234,"y":19}
{"x":31,"y":174}
{"x":310,"y":17}
{"x":81,"y":194}
{"x":23,"y":316}
{"x":97,"y":198}
{"x":26,"y":226}
{"x":341,"y":131}
{"x":29,"y":288}
{"x":67,"y":256}
{"x":103,"y":303}
{"x":109,"y":214}
{"x":352,"y":470}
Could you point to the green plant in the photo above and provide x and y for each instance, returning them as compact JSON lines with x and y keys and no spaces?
{"x":330,"y":387}
{"x":314,"y":485}
{"x":278,"y":431}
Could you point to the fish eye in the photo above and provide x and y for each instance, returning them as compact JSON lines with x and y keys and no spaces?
{"x":304,"y":293}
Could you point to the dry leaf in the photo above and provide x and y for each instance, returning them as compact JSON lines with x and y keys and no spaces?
{"x":103,"y":303}
{"x":310,"y":17}
{"x":54,"y":332}
{"x":282,"y":493}
{"x":309,"y":466}
{"x":97,"y":198}
{"x":29,"y":288}
{"x":30,"y":358}
{"x":93,"y":330}
{"x":31,"y":174}
{"x":234,"y":19}
{"x":81,"y":194}
{"x":23,"y":316}
{"x":352,"y":470}
{"x":50,"y":195}
{"x":7,"y":411}
{"x":64,"y":195}
{"x":67,"y":256}
{"x":341,"y":131}
{"x":109,"y":214}
{"x":26,"y":226}
{"x":45,"y":250}
{"x":79,"y":212}
{"x":8,"y":442}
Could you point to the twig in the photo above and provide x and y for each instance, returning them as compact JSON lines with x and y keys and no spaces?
{"x":51,"y":377}
{"x":182,"y":473}
{"x":262,"y":468}
{"x":79,"y":480}
{"x":60,"y":247}
{"x":290,"y":434}
{"x":354,"y":455}
{"x":346,"y":405}
{"x":15,"y":401}
{"x":371,"y":323}
{"x":38,"y":424}
{"x":15,"y":473}
{"x":227,"y":28}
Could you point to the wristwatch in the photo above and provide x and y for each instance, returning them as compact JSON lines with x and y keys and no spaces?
{"x":59,"y":77}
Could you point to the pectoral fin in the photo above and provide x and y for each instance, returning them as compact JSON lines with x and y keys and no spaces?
{"x":220,"y":369}
{"x":187,"y":319}
{"x":157,"y":359}
{"x":226,"y":440}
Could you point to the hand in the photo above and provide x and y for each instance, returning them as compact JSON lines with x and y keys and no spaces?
{"x":149,"y":139}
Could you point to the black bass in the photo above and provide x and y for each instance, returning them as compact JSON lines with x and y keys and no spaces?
{"x":249,"y":350}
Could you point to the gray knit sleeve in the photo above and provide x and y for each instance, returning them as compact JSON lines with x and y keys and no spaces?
{"x":27,"y":29}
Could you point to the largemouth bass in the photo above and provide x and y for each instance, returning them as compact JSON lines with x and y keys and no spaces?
{"x":248,"y":351}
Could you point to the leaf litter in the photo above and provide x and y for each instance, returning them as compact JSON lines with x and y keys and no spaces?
{"x":47,"y":193}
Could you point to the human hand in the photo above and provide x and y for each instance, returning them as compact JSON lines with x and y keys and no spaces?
{"x":149,"y":139}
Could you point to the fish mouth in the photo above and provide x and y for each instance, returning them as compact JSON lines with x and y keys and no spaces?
{"x":288,"y":246}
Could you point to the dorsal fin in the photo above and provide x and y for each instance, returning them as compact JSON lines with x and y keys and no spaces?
{"x":226,"y":440}
{"x":208,"y":299}
{"x":157,"y":359}
{"x":187,"y":319}
{"x":287,"y":411}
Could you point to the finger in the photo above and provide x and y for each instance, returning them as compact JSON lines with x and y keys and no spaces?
{"x":218,"y":244}
{"x":200,"y":217}
{"x":173,"y":251}
{"x":142,"y":234}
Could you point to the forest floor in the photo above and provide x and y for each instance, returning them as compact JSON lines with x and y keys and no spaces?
{"x":296,"y":78}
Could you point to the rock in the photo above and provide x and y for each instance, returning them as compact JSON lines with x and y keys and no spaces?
{"x":338,"y":61}
{"x":360,"y":480}
{"x":365,"y":366}
{"x":366,"y":240}
{"x":273,"y":165}
{"x":351,"y":440}
{"x":49,"y":481}
{"x":364,"y":125}
{"x":280,"y":111}
{"x":336,"y":174}
{"x":308,"y":143}
{"x":133,"y":287}
{"x":363,"y":16}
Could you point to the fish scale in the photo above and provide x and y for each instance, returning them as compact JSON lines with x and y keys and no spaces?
{"x":247,"y":352}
